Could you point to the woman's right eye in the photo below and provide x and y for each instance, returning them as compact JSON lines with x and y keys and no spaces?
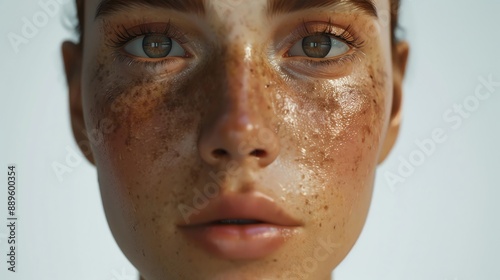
{"x":154,"y":46}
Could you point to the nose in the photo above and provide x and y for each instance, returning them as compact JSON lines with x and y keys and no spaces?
{"x":238,"y":139}
{"x":238,"y":127}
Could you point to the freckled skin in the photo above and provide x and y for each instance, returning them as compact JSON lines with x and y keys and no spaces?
{"x":321,"y":132}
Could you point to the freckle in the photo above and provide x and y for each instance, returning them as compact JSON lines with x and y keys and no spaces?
{"x":138,"y":197}
{"x":319,"y":224}
{"x":275,"y":260}
{"x":326,"y":207}
{"x":153,"y":219}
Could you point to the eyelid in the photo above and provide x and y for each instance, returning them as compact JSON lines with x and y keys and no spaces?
{"x":328,"y":67}
{"x":309,"y":28}
{"x":299,"y":46}
{"x":125,"y":35}
{"x":176,"y":50}
{"x":346,"y":34}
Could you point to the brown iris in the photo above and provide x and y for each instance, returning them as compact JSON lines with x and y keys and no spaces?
{"x":156,"y":46}
{"x":317,"y":46}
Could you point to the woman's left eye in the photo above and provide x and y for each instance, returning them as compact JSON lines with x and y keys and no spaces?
{"x":319,"y":46}
{"x":154,"y":46}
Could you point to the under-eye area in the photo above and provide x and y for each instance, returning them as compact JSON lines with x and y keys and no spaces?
{"x":245,"y":136}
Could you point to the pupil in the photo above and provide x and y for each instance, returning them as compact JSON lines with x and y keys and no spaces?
{"x":156,"y":46}
{"x":317,"y":46}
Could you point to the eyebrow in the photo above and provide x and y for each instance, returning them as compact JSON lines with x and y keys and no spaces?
{"x":287,"y":6}
{"x":107,"y":7}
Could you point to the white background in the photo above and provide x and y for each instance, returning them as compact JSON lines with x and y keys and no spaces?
{"x":442,"y":223}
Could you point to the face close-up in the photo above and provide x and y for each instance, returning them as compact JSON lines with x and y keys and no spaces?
{"x":236,"y":139}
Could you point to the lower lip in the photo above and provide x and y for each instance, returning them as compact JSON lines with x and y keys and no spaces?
{"x":239,"y":242}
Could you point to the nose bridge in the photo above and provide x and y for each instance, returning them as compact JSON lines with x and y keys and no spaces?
{"x":238,"y":123}
{"x":241,"y":92}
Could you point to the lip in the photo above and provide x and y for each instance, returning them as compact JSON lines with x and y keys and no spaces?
{"x":240,"y":242}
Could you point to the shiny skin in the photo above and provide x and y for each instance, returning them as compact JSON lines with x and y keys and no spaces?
{"x":308,"y":136}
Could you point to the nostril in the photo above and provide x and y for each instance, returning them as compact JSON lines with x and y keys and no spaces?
{"x":220,"y":153}
{"x":258,"y":153}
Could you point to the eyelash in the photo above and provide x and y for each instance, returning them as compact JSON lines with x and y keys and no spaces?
{"x":124,"y":36}
{"x":347,"y":36}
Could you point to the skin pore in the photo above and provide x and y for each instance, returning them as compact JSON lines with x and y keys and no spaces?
{"x":167,"y":97}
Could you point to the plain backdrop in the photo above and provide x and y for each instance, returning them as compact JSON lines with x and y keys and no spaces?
{"x":438,"y":221}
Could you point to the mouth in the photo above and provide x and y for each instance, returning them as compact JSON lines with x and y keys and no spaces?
{"x":240,"y":227}
{"x":236,"y":222}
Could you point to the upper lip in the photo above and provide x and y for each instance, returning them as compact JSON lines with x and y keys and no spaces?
{"x":253,"y":206}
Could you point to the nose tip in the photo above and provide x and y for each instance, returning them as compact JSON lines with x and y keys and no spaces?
{"x":223,"y":144}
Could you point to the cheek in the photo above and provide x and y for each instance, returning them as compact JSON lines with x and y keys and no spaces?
{"x":333,"y":136}
{"x":145,"y":129}
{"x":335,"y":130}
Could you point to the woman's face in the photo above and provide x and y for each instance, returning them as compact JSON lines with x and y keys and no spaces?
{"x":235,"y":139}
